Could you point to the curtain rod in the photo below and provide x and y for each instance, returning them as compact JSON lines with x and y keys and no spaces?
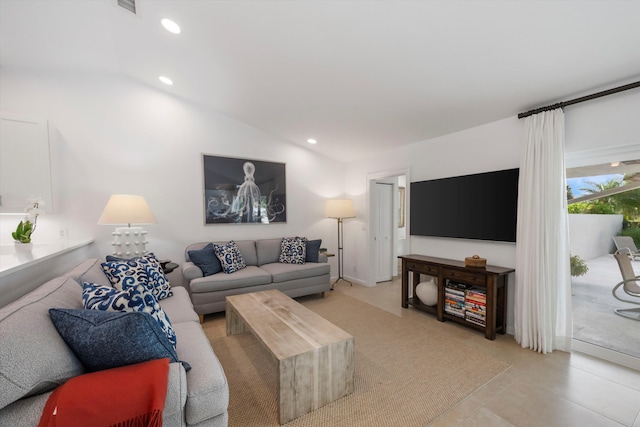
{"x":581,"y":99}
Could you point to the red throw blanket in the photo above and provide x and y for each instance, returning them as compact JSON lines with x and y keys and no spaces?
{"x":129,"y":396}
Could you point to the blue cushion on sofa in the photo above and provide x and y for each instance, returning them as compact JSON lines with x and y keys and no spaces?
{"x":98,"y":297}
{"x":145,"y":270}
{"x":230,"y":257}
{"x":293,"y":250}
{"x":108,"y":339}
{"x":313,"y":249}
{"x":206,"y":260}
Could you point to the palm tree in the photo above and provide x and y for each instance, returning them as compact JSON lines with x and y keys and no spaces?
{"x":597,"y":187}
{"x":629,"y":201}
{"x":606,"y":203}
{"x":626,"y":203}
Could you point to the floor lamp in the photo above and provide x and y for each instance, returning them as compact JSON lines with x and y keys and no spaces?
{"x":340,"y":209}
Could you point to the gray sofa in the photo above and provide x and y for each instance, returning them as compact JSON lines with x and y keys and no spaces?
{"x":263,"y":272}
{"x":34,"y":359}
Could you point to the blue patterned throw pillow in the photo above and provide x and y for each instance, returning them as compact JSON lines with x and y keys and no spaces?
{"x":230,"y":257}
{"x":98,"y":297}
{"x":109,"y":339}
{"x":145,"y":270}
{"x":293,"y":250}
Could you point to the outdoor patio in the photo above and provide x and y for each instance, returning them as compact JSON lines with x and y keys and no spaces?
{"x":594,"y":320}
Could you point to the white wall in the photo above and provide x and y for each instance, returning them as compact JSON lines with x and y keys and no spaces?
{"x":603,"y":130}
{"x":113,"y":135}
{"x":469,"y":151}
{"x":610,"y":121}
{"x":592,"y":235}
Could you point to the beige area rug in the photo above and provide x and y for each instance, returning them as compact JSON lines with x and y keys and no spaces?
{"x":407,"y":373}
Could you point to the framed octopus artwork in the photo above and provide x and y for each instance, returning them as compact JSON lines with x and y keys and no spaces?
{"x":243,"y":191}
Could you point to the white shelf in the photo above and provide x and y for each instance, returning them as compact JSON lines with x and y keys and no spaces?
{"x":12,"y":261}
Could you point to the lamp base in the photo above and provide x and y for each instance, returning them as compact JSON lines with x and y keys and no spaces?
{"x":129,"y":242}
{"x":339,"y":279}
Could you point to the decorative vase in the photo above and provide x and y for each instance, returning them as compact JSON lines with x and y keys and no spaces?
{"x":23,"y":247}
{"x":427,"y":292}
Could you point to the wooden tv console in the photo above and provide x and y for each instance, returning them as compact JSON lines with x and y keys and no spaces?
{"x":491,"y":278}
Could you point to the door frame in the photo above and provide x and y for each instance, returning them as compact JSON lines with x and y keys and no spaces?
{"x":594,"y":157}
{"x":372,"y":178}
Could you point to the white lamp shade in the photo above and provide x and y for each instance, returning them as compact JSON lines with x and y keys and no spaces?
{"x":127,"y":209}
{"x":339,"y":208}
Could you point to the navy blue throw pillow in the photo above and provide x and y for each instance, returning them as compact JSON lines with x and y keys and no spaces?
{"x":206,"y":260}
{"x":109,"y":339}
{"x":313,"y":248}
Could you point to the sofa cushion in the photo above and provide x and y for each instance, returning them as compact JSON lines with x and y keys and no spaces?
{"x":284,"y":272}
{"x":249,"y":276}
{"x":96,"y":297}
{"x":108,"y":339}
{"x":25,"y":330}
{"x":179,"y":308}
{"x":230,"y":257}
{"x":145,"y":270}
{"x":206,"y":260}
{"x":293,"y":250}
{"x":207,"y":388}
{"x":89,"y":271}
{"x":246,"y":247}
{"x":313,"y":250}
{"x":24,"y":412}
{"x":248,"y":250}
{"x":268,"y":250}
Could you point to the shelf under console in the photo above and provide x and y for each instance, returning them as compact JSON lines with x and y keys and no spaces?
{"x":480,"y":294}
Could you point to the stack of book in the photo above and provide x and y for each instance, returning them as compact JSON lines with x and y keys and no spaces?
{"x":475,"y":306}
{"x":454,"y":298}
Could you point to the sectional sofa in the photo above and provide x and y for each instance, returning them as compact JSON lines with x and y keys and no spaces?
{"x":263,"y":271}
{"x":34,"y":358}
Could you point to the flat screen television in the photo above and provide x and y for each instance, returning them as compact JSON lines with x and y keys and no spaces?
{"x":480,"y":206}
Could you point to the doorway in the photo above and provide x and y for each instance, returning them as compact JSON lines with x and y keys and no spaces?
{"x":597,"y":330}
{"x":387,"y":200}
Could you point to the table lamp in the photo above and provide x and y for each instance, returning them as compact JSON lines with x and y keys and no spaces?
{"x":127,"y":209}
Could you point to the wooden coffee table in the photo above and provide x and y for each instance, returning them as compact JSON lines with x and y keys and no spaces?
{"x":315,"y":358}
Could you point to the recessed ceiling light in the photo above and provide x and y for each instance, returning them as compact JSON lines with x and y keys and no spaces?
{"x":311,"y":141}
{"x":615,"y":164}
{"x":170,"y":26}
{"x":166,"y":80}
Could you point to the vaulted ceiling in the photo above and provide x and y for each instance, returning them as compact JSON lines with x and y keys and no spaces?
{"x":358,"y":76}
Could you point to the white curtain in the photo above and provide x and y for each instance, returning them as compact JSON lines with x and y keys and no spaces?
{"x":543,"y":317}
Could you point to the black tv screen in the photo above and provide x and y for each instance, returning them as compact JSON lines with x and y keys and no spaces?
{"x":480,"y":206}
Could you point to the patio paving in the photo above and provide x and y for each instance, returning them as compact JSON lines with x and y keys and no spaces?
{"x":594,"y":320}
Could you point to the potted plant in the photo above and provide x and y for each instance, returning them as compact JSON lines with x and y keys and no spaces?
{"x":26,"y":227}
{"x":23,"y":232}
{"x":578,"y":266}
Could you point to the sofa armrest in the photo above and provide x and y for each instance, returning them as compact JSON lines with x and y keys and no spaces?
{"x":322,"y":258}
{"x":191,"y":271}
{"x":176,"y":398}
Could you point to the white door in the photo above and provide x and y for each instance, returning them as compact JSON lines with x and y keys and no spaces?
{"x":384,"y":234}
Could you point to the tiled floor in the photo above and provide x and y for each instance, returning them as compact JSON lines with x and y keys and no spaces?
{"x":593,"y":318}
{"x":557,"y":389}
